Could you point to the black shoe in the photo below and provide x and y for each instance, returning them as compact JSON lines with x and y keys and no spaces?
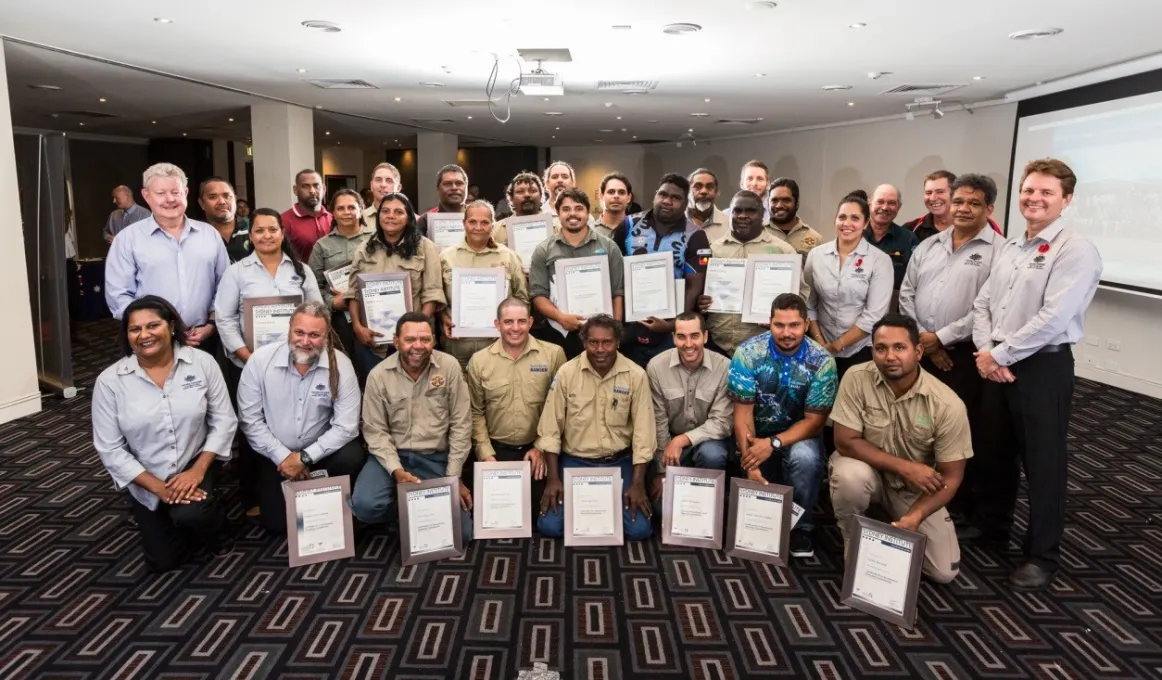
{"x":802,"y":544}
{"x":971,"y":533}
{"x":223,"y":546}
{"x":1030,"y":576}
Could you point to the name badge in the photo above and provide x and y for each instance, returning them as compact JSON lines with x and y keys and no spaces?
{"x":538,"y":368}
{"x":621,"y":390}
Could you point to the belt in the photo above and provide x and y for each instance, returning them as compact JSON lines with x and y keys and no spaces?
{"x":611,"y":458}
{"x":1053,"y":349}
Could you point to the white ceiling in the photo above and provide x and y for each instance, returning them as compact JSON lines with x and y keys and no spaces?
{"x":254,"y":48}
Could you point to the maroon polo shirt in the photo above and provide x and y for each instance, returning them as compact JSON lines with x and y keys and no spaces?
{"x":304,"y":229}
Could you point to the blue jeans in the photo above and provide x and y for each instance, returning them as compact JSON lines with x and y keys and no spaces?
{"x":374,"y":493}
{"x":799,"y":466}
{"x":637,"y":527}
{"x":711,"y":454}
{"x":365,"y":360}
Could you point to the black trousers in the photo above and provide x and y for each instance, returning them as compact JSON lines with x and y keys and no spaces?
{"x":172,"y":533}
{"x":348,"y":460}
{"x":571,"y":343}
{"x":842,"y":364}
{"x":246,"y":464}
{"x":513,"y":454}
{"x":965,"y":380}
{"x":1027,"y":423}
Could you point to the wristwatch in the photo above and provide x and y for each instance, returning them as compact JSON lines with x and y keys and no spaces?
{"x":306,"y":458}
{"x":776,"y":443}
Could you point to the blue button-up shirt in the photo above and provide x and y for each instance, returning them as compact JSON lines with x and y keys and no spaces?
{"x":144,"y":260}
{"x":139,"y":427}
{"x":856,"y":294}
{"x":121,"y":218}
{"x":283,"y":411}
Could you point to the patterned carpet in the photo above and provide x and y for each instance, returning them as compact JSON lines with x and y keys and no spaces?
{"x":76,"y":601}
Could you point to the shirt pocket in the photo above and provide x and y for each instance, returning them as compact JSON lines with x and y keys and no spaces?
{"x":497,"y":391}
{"x":414,"y":268}
{"x":675,"y":403}
{"x":536,"y":390}
{"x":617,"y":414}
{"x":436,"y":405}
{"x":853,"y":288}
{"x":877,"y":426}
{"x":579,"y":413}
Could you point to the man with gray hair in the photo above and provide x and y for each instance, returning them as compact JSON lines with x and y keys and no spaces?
{"x":127,"y":213}
{"x":298,"y":404}
{"x":168,"y":255}
{"x":883,"y":232}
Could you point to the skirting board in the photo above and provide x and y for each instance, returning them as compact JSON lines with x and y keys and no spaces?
{"x":20,"y":407}
{"x":1119,"y":380}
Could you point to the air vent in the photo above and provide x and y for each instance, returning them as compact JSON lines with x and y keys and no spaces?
{"x":625,"y":85}
{"x":738,"y":121}
{"x":433,"y":121}
{"x":337,"y":84}
{"x":922,"y":89}
{"x":89,"y":114}
{"x":467,"y":103}
{"x":538,"y":79}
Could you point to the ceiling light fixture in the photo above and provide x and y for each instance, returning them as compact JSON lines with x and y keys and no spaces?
{"x":324,"y":26}
{"x":851,"y":103}
{"x":163,"y":20}
{"x":102,"y":100}
{"x":605,"y":130}
{"x":635,"y":136}
{"x":699,"y":115}
{"x":978,"y":77}
{"x":858,"y":24}
{"x":937,"y":112}
{"x":1035,"y":33}
{"x":318,"y":106}
{"x":680,"y":29}
{"x":328,"y":132}
{"x":301,"y":70}
{"x":836,"y":88}
{"x":546,"y":99}
{"x":183,"y":134}
{"x":690,"y":130}
{"x":431,"y":83}
{"x":876,"y":75}
{"x":230,"y":119}
{"x":619,"y":117}
{"x":760,"y":75}
{"x":621,"y":27}
{"x":557,"y":128}
{"x":50,"y":88}
{"x":608,"y":104}
{"x":707,"y":100}
{"x":553,"y":113}
{"x":81,"y":124}
{"x":399,"y":99}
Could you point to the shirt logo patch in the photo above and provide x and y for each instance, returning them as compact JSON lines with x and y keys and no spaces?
{"x":438,"y":381}
{"x":621,"y":390}
{"x":538,"y":368}
{"x":809,"y":241}
{"x":599,"y":251}
{"x":924,"y":420}
{"x":191,"y":382}
{"x":1037,"y":262}
{"x":975,"y":260}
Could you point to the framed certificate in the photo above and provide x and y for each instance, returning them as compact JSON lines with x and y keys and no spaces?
{"x":339,"y":278}
{"x":318,"y":520}
{"x":692,"y":507}
{"x":649,"y":286}
{"x":476,"y":293}
{"x":429,"y":520}
{"x":758,"y":526}
{"x":767,"y":277}
{"x":502,"y":500}
{"x":583,"y":286}
{"x":527,"y":232}
{"x":383,"y":299}
{"x":882,"y":575}
{"x":593,"y":506}
{"x":445,"y":229}
{"x":267,"y":319}
{"x":725,"y":277}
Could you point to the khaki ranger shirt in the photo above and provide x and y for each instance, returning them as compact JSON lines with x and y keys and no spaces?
{"x":716,"y":226}
{"x":333,"y":251}
{"x":460,"y":256}
{"x":508,"y":394}
{"x":928,"y":425}
{"x":500,"y":228}
{"x":423,"y":270}
{"x":693,"y":403}
{"x":801,"y":237}
{"x":425,"y":415}
{"x":728,"y":330}
{"x":369,"y":216}
{"x":589,"y":416}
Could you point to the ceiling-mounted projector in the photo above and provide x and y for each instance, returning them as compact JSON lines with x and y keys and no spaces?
{"x":541,"y":84}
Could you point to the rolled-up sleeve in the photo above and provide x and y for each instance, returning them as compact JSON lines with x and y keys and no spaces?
{"x":221,"y":423}
{"x":344,"y":425}
{"x":641,"y":409}
{"x":377,"y":423}
{"x":120,"y":275}
{"x":809,"y":284}
{"x":119,"y":461}
{"x":879,"y":292}
{"x":460,"y":429}
{"x":227,"y":312}
{"x":552,"y":421}
{"x":252,"y":411}
{"x":480,"y":435}
{"x":433,"y":276}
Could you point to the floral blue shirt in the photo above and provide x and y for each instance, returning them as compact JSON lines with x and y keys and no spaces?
{"x":782,"y":388}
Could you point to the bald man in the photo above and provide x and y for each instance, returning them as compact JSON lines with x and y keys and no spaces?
{"x":127,"y":213}
{"x":883,"y":233}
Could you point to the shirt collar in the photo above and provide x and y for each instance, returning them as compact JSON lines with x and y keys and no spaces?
{"x":987,"y":235}
{"x":491,"y":246}
{"x":832,"y":247}
{"x":676,"y":359}
{"x":301,"y":215}
{"x":151,"y":222}
{"x":182,"y":355}
{"x":1048,"y":233}
{"x":763,"y":237}
{"x":560,"y":236}
{"x":531,"y":345}
{"x":253,"y":261}
{"x":284,"y":358}
{"x":919,"y":388}
{"x":621,"y":365}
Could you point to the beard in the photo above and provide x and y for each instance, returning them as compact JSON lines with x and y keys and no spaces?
{"x":305,"y":357}
{"x":703,"y":206}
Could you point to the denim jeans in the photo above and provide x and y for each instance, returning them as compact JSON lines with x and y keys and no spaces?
{"x":636,"y":526}
{"x":374,"y":493}
{"x":799,"y":466}
{"x":711,"y":454}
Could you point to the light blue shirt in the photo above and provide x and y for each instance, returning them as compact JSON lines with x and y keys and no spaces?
{"x":283,"y":411}
{"x":858,"y":294}
{"x":139,"y":427}
{"x":248,"y":278}
{"x":124,"y":217}
{"x":144,"y":260}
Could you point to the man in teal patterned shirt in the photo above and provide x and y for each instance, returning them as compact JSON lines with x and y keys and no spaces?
{"x":783,"y":385}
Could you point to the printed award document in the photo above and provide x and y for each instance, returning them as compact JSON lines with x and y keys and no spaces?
{"x":268,"y":321}
{"x":476,"y":293}
{"x":526,"y":233}
{"x":593,"y":511}
{"x":695,"y":513}
{"x":431,"y":517}
{"x":502,"y":502}
{"x":649,"y":286}
{"x":339,"y":278}
{"x":759,"y":522}
{"x":384,"y":302}
{"x":725,"y":278}
{"x":882,"y":571}
{"x":769,"y":279}
{"x":319,"y":520}
{"x":445,"y":229}
{"x":584,"y":292}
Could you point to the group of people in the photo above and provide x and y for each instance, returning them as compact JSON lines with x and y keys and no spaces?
{"x":906,"y":350}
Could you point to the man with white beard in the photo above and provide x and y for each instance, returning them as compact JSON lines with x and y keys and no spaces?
{"x":298,"y":403}
{"x":702,"y":210}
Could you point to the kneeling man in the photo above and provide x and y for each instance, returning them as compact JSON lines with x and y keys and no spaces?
{"x":417,"y":421}
{"x":299,"y":406}
{"x":903,"y":441}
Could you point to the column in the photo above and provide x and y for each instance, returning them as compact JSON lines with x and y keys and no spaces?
{"x":241,"y":187}
{"x":284,"y":143}
{"x":434,"y":150}
{"x":20,"y":389}
{"x":220,"y":155}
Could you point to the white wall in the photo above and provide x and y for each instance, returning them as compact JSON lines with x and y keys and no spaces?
{"x":829,"y":162}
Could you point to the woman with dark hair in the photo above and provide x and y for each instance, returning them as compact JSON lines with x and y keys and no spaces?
{"x":850,"y":287}
{"x":397,"y":246}
{"x":162,"y":420}
{"x":331,"y":257}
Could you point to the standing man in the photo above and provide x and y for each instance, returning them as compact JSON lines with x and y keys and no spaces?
{"x":703,"y":210}
{"x":127,"y":213}
{"x":938,"y":201}
{"x":559,"y":177}
{"x":451,"y":188}
{"x":944,"y":277}
{"x":384,"y":181}
{"x":170,"y":256}
{"x":662,"y":229}
{"x":598,"y":414}
{"x":307,"y":220}
{"x":902,"y":442}
{"x":746,"y":237}
{"x":216,"y":197}
{"x":416,"y":422}
{"x":692,"y":413}
{"x":1027,"y":318}
{"x":526,"y":194}
{"x":756,"y":177}
{"x":298,"y":403}
{"x":883,"y":232}
{"x":783,"y":385}
{"x":783,"y":207}
{"x":616,"y":195}
{"x":508,"y":382}
{"x":575,"y":239}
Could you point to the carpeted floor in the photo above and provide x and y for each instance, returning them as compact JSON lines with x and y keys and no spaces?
{"x":76,"y":601}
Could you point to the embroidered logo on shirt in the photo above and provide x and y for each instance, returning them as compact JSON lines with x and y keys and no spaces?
{"x":975,"y":260}
{"x":703,"y":257}
{"x":923,"y":420}
{"x":1037,"y":262}
{"x":599,"y":251}
{"x":191,"y":382}
{"x":620,"y":390}
{"x":809,"y":241}
{"x":437,"y":381}
{"x":538,"y":368}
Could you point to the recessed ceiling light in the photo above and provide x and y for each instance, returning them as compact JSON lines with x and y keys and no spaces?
{"x":163,"y":20}
{"x":301,"y":70}
{"x":183,"y":134}
{"x":1035,"y":33}
{"x":553,"y":113}
{"x":608,"y":104}
{"x":396,"y":141}
{"x":102,"y":100}
{"x":680,"y":29}
{"x":318,"y":106}
{"x":431,"y":83}
{"x":599,"y":140}
{"x":651,"y":121}
{"x":605,"y":130}
{"x":760,"y":75}
{"x":978,"y":77}
{"x":690,"y":130}
{"x":469,"y":117}
{"x":635,"y":136}
{"x":327,"y":132}
{"x":324,"y":26}
{"x":50,"y":88}
{"x":619,"y":117}
{"x":557,"y":128}
{"x":230,"y":119}
{"x":858,"y":24}
{"x":624,"y":130}
{"x":836,"y":88}
{"x":399,"y":99}
{"x":546,"y":99}
{"x":707,"y":100}
{"x":339,"y":143}
{"x":851,"y":103}
{"x":81,"y":124}
{"x":699,"y":115}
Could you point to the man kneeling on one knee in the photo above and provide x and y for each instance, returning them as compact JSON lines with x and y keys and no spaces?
{"x":903,"y":441}
{"x":299,"y":405}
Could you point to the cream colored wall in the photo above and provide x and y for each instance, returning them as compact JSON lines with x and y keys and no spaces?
{"x":343,"y":160}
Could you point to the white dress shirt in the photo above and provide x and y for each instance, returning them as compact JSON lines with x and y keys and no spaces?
{"x":248,"y":278}
{"x":941,"y":284}
{"x":1037,"y":293}
{"x":139,"y":427}
{"x":144,"y":260}
{"x":858,"y":294}
{"x":282,"y":411}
